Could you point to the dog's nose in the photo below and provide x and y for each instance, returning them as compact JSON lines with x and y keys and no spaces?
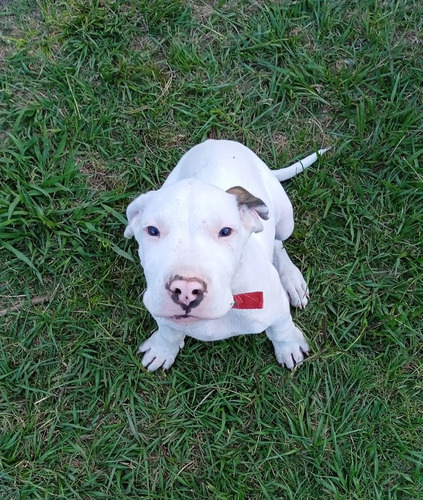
{"x":187,"y":292}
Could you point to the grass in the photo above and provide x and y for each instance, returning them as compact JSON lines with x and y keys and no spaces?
{"x":99,"y":99}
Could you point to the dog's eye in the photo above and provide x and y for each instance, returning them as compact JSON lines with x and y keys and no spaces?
{"x":153,"y":231}
{"x":225,"y":231}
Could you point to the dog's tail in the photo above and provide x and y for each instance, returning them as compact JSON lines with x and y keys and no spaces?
{"x":286,"y":173}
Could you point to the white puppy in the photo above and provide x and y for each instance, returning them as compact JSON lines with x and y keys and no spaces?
{"x":210,"y":243}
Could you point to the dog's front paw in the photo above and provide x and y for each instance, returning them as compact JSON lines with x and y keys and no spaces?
{"x":158,"y":353}
{"x":291,"y":353}
{"x":295,"y":286}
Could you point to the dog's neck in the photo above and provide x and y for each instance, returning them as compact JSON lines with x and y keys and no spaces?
{"x":244,"y":293}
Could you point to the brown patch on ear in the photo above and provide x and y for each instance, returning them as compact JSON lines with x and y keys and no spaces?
{"x":246,"y":199}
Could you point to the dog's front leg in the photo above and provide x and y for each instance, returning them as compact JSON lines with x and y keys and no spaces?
{"x":160,"y":350}
{"x":290,"y":345}
{"x":291,"y":277}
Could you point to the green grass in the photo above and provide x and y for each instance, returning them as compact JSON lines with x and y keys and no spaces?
{"x":98,"y":100}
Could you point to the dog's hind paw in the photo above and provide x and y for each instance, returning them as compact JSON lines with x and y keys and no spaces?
{"x":296,"y":287}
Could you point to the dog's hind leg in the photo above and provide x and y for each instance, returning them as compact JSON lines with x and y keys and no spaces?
{"x":291,"y":277}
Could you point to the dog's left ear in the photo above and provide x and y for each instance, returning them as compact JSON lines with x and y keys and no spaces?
{"x":251,"y":207}
{"x":134,"y":211}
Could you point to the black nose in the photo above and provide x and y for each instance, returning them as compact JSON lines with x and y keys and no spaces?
{"x":186,"y":292}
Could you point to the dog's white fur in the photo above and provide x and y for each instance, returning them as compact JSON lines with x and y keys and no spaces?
{"x":214,"y":230}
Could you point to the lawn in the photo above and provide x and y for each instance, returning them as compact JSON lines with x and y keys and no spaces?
{"x":98,"y":101}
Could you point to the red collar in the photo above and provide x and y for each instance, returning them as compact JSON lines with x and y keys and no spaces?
{"x":250,"y":300}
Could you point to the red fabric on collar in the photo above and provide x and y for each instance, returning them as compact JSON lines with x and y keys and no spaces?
{"x":250,"y":300}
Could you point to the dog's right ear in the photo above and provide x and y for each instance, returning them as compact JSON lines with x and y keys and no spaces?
{"x":134,"y":211}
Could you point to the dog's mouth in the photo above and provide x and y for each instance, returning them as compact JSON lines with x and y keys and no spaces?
{"x":185,"y":317}
{"x":198,"y":317}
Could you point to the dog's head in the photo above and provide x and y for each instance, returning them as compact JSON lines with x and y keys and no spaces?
{"x":191,"y":237}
